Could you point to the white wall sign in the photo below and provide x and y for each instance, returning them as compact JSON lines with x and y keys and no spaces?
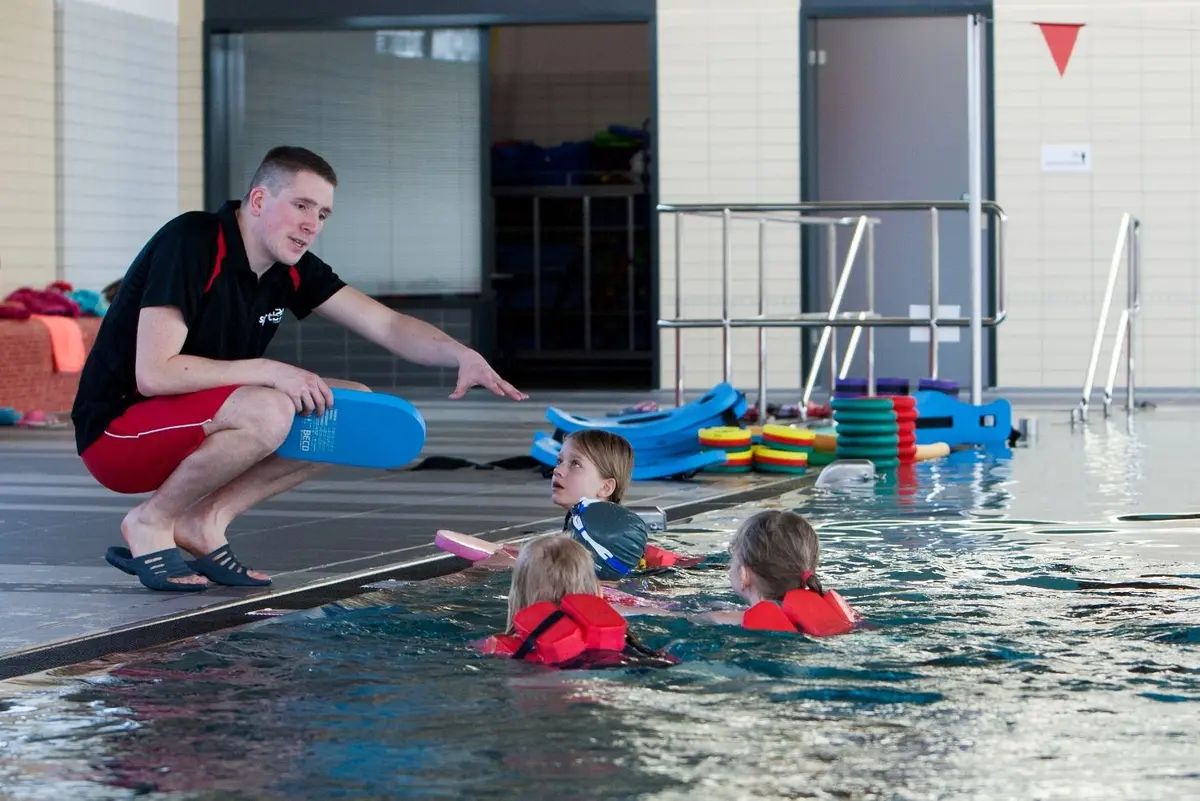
{"x":1067,"y":158}
{"x":921,"y":311}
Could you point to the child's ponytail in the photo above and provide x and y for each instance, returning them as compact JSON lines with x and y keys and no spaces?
{"x":809,"y":581}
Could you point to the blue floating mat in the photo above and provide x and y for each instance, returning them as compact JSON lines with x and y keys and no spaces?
{"x":363,"y":429}
{"x":545,"y":450}
{"x":659,"y":441}
{"x":722,"y":405}
{"x":942,"y":418}
{"x":669,"y":449}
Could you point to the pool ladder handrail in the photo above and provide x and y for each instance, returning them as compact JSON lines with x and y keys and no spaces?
{"x":833,"y":318}
{"x":1129,"y":238}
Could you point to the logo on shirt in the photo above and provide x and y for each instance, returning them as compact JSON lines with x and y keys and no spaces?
{"x":275,"y":318}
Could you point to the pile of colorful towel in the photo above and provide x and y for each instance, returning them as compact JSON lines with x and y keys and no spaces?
{"x":35,"y":419}
{"x":57,"y":308}
{"x":58,"y":299}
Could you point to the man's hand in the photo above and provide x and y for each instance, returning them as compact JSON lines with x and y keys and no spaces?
{"x":414,"y":340}
{"x":474,"y":371}
{"x":307,"y":390}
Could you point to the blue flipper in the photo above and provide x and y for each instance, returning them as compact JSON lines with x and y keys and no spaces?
{"x":721,"y":405}
{"x":659,"y":437}
{"x":223,"y":567}
{"x":363,"y":429}
{"x":154,"y":569}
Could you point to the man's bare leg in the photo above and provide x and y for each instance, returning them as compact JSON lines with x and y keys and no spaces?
{"x":201,"y":529}
{"x":251,"y":425}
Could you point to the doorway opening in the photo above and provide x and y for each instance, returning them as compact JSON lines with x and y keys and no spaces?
{"x":571,"y":204}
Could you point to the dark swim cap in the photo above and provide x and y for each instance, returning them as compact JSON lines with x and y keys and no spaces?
{"x":615,"y":536}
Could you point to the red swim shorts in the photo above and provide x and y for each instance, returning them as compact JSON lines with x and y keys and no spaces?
{"x":142,"y":447}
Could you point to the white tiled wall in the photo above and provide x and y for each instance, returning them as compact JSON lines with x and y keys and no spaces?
{"x":728,"y":127}
{"x":118,"y":133}
{"x":191,"y":105}
{"x":27,"y":180}
{"x":558,"y":83}
{"x":1129,"y":91}
{"x":729,"y":131}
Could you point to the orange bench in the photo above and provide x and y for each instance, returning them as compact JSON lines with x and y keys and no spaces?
{"x":28,"y":380}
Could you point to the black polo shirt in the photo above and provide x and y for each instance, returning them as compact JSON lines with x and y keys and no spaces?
{"x":196,"y":263}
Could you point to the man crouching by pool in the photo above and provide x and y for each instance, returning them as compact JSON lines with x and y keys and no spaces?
{"x":176,"y":398}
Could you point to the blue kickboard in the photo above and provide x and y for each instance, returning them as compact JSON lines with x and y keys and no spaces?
{"x":660,"y":439}
{"x":545,"y":450}
{"x":941,"y":418}
{"x":363,"y":429}
{"x":687,"y":443}
{"x":662,"y":425}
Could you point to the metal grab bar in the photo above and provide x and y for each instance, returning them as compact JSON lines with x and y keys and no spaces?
{"x":854,"y":319}
{"x":999,"y":232}
{"x":835,"y":306}
{"x":832,"y":319}
{"x":1129,"y":243}
{"x":849,"y":357}
{"x":761,"y":321}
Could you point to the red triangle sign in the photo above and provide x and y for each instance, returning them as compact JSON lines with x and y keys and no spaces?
{"x":1060,"y":38}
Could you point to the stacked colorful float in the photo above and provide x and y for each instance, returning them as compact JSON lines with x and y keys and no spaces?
{"x":783,"y":449}
{"x":867,"y":429}
{"x":905,"y":407}
{"x":735,"y":442}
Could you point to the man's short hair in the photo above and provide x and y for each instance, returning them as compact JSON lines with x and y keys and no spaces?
{"x":281,"y":164}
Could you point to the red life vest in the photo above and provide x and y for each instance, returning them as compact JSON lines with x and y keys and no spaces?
{"x":804,"y":611}
{"x":581,"y":631}
{"x":655,"y":557}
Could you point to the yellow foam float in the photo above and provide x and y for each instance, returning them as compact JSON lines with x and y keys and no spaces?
{"x":735,"y":462}
{"x":726,"y":438}
{"x":786,"y":438}
{"x":774,"y":460}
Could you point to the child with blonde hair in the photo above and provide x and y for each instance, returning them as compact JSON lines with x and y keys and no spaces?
{"x":557,"y":614}
{"x":547,"y":568}
{"x":593,"y":474}
{"x":592,"y":464}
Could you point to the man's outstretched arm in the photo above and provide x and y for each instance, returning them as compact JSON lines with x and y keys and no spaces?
{"x":414,"y":340}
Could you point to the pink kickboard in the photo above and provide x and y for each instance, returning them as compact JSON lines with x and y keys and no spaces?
{"x":470,"y":548}
{"x":615,"y":596}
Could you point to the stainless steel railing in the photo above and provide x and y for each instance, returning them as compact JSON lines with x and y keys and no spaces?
{"x":828,"y":333}
{"x":834,"y":317}
{"x":761,"y":321}
{"x":1128,"y":243}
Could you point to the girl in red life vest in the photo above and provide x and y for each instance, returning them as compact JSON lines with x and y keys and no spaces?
{"x":547,"y":568}
{"x":772,"y":564}
{"x":557,"y":614}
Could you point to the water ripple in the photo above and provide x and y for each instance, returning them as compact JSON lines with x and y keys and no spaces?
{"x":1010,"y":651}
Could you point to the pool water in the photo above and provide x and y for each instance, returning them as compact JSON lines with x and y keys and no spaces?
{"x":1023,"y":641}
